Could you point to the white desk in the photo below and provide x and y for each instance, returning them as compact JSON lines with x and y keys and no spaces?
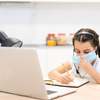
{"x":90,"y":91}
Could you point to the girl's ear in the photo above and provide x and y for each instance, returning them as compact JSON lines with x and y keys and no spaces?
{"x":96,"y":51}
{"x":95,"y":48}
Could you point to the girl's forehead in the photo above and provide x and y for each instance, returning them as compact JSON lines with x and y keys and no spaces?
{"x":82,"y":45}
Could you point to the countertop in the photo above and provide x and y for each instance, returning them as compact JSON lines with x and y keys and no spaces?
{"x":45,"y":46}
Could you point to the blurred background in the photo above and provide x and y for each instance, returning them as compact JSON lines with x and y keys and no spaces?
{"x":32,"y":21}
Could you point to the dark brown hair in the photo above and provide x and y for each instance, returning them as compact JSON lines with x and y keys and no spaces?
{"x":93,"y":39}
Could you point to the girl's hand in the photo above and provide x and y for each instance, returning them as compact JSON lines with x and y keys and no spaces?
{"x":65,"y":79}
{"x":84,"y":64}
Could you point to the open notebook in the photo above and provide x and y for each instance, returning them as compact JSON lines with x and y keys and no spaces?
{"x":77,"y":82}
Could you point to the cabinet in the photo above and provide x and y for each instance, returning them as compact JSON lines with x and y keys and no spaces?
{"x":51,"y":57}
{"x":57,"y":56}
{"x":42,"y":55}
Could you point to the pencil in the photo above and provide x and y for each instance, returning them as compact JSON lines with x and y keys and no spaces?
{"x":66,"y":69}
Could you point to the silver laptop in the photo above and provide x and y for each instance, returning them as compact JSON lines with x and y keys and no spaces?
{"x":20,"y":74}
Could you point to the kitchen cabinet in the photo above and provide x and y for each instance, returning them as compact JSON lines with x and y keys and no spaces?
{"x":42,"y":55}
{"x":51,"y":57}
{"x":57,"y":56}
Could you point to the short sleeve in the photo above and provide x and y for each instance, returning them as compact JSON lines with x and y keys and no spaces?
{"x":97,"y":65}
{"x":72,"y":71}
{"x":71,"y":62}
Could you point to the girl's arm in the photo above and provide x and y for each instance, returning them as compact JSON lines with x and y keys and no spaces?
{"x":94,"y":74}
{"x":60,"y":75}
{"x":87,"y":67}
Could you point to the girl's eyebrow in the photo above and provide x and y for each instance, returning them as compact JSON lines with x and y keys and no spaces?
{"x":76,"y":49}
{"x":84,"y":50}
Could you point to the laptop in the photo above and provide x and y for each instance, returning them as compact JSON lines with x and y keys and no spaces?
{"x":20,"y":74}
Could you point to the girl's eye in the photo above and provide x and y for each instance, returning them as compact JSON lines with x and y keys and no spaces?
{"x":86,"y":52}
{"x":77,"y":52}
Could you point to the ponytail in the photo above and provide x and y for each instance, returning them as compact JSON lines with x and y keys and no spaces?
{"x":99,"y":50}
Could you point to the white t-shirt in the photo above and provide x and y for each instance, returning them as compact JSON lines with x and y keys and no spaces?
{"x":96,"y":66}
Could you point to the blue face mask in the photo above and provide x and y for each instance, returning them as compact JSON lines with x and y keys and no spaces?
{"x":90,"y":57}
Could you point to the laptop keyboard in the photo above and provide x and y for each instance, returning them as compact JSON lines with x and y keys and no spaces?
{"x":50,"y":92}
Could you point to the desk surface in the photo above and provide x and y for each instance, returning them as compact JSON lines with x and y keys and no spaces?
{"x":90,"y":91}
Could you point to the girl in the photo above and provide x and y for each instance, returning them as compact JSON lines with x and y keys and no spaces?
{"x":87,"y":61}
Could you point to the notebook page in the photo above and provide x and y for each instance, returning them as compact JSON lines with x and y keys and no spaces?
{"x":77,"y":82}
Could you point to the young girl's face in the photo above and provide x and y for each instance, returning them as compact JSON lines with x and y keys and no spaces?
{"x":82,"y":48}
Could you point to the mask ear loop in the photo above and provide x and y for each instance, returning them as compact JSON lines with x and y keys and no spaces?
{"x":74,"y":63}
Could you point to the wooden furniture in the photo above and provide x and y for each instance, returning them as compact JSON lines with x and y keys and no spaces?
{"x":90,"y":91}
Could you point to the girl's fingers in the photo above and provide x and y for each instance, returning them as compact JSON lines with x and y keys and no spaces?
{"x":66,"y":79}
{"x":81,"y":59}
{"x":71,"y":79}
